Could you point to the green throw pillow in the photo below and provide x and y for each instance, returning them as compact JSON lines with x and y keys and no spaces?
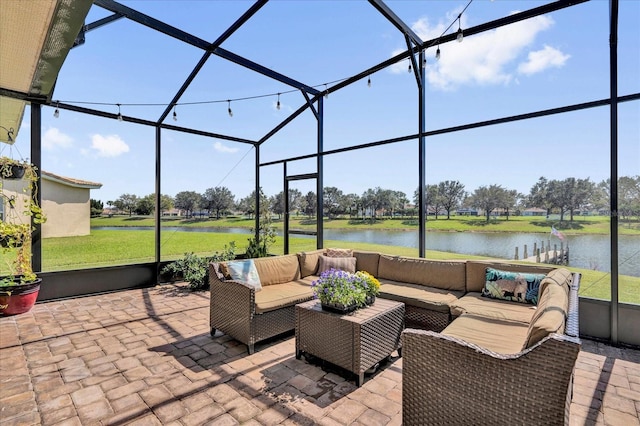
{"x":513,"y":286}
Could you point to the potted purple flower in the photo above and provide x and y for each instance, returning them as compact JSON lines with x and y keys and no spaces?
{"x":343,"y":292}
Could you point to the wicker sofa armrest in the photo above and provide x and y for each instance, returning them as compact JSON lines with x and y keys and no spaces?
{"x":232,"y":306}
{"x":446,"y":380}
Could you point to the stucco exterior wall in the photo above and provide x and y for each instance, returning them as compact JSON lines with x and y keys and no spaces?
{"x":67,"y":209}
{"x":13,"y":190}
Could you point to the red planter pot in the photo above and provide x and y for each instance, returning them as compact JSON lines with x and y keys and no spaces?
{"x":19,"y":298}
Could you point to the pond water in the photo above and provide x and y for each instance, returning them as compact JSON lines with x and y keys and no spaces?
{"x":585,"y":251}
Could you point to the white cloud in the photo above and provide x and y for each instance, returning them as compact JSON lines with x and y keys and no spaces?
{"x":484,"y":59}
{"x":220,"y":147}
{"x":53,"y":138}
{"x":541,"y":60}
{"x":108,"y":146}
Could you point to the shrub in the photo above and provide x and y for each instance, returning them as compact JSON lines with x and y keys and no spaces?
{"x":195,"y":269}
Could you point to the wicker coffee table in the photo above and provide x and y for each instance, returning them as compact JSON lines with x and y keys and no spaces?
{"x":356,"y":341}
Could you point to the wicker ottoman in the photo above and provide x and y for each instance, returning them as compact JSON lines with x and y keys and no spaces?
{"x":356,"y":341}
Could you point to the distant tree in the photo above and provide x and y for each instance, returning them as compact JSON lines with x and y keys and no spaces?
{"x":540,"y":196}
{"x":166,"y":203}
{"x":488,"y":198}
{"x":600,"y":198}
{"x":451,"y":194}
{"x":187,"y":201}
{"x":333,"y":201}
{"x":432,"y":199}
{"x":370,"y":201}
{"x":581,"y":191}
{"x":127,"y":203}
{"x":218,"y":199}
{"x":146,"y":205}
{"x":247,"y":205}
{"x":277,"y":204}
{"x":391,"y":201}
{"x":295,"y":200}
{"x":629,"y":197}
{"x":510,"y":201}
{"x":95,"y":207}
{"x":350,"y":204}
{"x":309,"y":204}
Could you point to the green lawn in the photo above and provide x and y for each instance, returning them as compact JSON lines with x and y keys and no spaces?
{"x":580,"y":226}
{"x":107,"y":248}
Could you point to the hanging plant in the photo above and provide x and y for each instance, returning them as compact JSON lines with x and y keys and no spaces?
{"x":12,"y":169}
{"x":21,"y":213}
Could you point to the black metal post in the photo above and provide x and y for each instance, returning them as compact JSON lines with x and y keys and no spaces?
{"x":613,"y":76}
{"x":36,"y":193}
{"x":422,"y":174}
{"x":286,"y":208}
{"x":319,"y":181}
{"x":158,"y":218}
{"x":257,"y":218}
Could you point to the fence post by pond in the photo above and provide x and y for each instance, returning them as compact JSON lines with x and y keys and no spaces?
{"x":516,"y":255}
{"x":525,"y":252}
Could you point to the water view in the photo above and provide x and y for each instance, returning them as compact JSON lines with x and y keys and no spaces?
{"x":586,"y":251}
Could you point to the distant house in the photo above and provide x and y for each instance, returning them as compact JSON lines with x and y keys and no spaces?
{"x":65,"y":202}
{"x":534,"y":211}
{"x":464,"y":211}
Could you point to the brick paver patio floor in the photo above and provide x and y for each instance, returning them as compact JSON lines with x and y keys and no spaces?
{"x":145,"y":357}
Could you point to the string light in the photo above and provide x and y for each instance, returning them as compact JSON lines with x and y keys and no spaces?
{"x":459,"y":38}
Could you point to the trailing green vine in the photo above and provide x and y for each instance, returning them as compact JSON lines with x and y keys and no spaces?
{"x":21,"y":213}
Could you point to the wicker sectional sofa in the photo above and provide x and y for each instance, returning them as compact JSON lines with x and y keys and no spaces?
{"x":467,"y":359}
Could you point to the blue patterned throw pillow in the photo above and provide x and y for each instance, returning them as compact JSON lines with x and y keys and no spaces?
{"x":245,"y":272}
{"x":513,"y":286}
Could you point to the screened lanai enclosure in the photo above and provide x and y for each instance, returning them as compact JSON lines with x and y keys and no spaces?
{"x":332,"y":101}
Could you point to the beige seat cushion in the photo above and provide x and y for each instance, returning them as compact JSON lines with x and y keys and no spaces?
{"x":278,"y":296}
{"x":475,"y":303}
{"x":435,"y":299}
{"x":443,"y":274}
{"x":277,"y":269}
{"x":500,"y":336}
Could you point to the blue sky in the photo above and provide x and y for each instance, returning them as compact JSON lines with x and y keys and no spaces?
{"x":550,"y":61}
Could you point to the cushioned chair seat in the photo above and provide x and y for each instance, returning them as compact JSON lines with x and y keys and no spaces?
{"x":419,"y":295}
{"x":281,"y":295}
{"x":500,"y":336}
{"x":474,"y":303}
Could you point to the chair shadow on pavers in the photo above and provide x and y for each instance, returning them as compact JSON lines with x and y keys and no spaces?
{"x":272,"y":378}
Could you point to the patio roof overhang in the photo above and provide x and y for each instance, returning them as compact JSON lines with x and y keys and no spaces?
{"x":35,"y":38}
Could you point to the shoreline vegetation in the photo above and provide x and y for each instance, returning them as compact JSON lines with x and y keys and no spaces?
{"x":105,"y":248}
{"x":109,"y":248}
{"x":581,"y":225}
